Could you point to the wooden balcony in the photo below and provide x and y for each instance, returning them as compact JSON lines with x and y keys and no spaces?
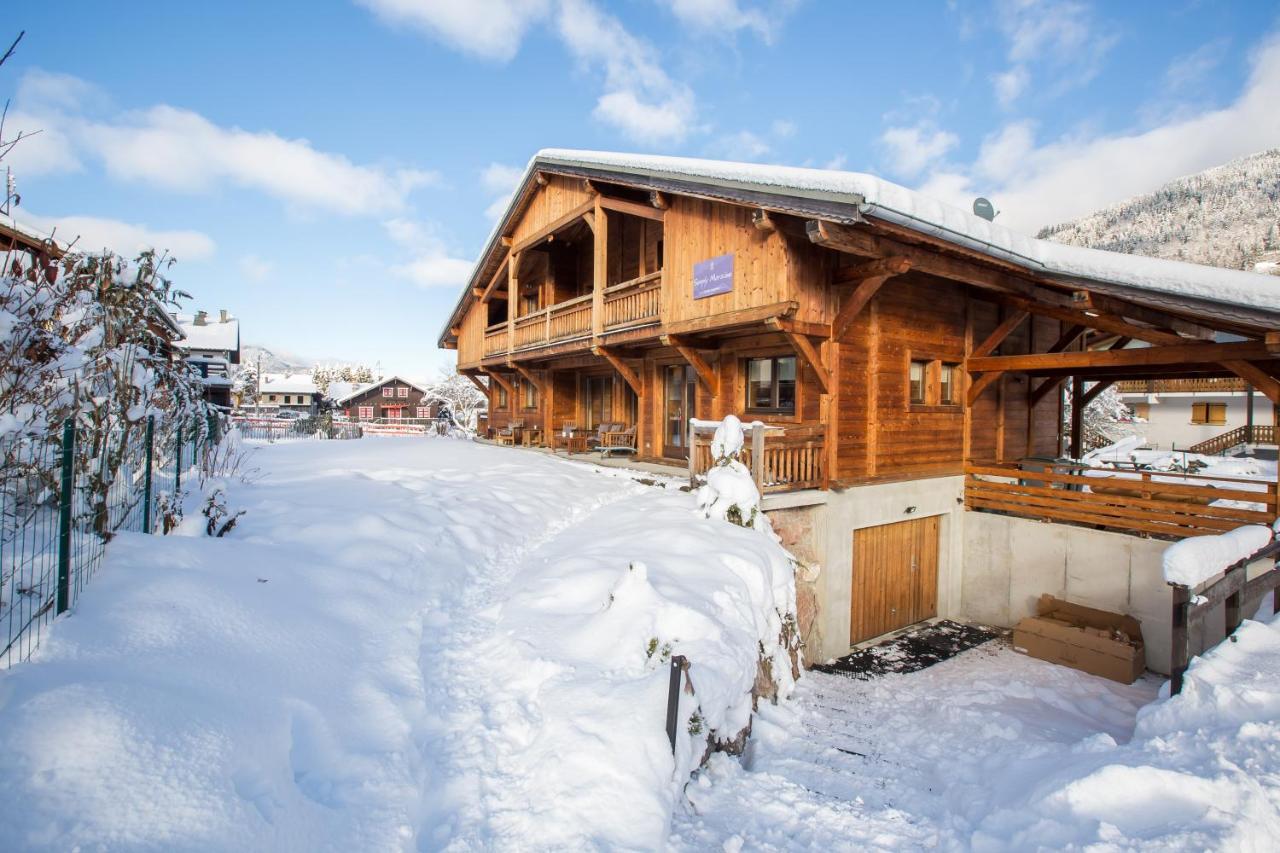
{"x":633,"y":303}
{"x":1201,"y":385}
{"x":1146,"y":503}
{"x":781,"y":459}
{"x":495,"y":340}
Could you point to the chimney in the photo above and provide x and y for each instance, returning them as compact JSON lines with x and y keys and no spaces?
{"x":223,"y":316}
{"x":201,"y":317}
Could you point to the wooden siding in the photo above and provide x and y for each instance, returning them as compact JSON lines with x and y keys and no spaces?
{"x":557,"y":198}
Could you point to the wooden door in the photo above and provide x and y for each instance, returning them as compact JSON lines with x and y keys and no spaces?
{"x":895,"y":577}
{"x":680,"y":403}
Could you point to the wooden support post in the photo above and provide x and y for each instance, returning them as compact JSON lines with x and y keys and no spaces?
{"x":513,"y":298}
{"x":757,"y":456}
{"x":1077,"y":417}
{"x":869,"y":276}
{"x":1180,"y":650}
{"x":1232,"y":607}
{"x":600,"y":270}
{"x":1248,"y":414}
{"x":484,"y":389}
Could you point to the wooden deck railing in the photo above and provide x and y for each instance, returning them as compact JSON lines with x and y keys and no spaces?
{"x":781,"y":459}
{"x":1204,"y":385}
{"x":495,"y":339}
{"x":531,"y":329}
{"x":570,"y":319}
{"x":633,"y":302}
{"x":1220,"y":444}
{"x":1149,"y":503}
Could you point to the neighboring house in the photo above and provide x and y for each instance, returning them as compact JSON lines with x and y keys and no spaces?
{"x":392,"y":398}
{"x":211,"y":345}
{"x":282,"y":392}
{"x":908,"y":357}
{"x":1205,"y":415}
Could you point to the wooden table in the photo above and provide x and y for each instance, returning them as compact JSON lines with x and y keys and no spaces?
{"x":531,"y":436}
{"x":574,"y":442}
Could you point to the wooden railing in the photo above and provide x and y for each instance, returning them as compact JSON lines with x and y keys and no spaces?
{"x":781,"y":459}
{"x":495,"y":339}
{"x":1202,"y":384}
{"x":1220,"y":444}
{"x":633,"y":302}
{"x":1142,"y":502}
{"x":531,"y":329}
{"x":570,"y":319}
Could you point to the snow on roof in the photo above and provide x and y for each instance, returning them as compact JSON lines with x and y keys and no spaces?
{"x":214,"y":334}
{"x":877,"y":197}
{"x":369,"y":386}
{"x":283,"y":383}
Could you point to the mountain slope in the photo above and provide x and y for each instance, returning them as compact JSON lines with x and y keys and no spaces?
{"x":1227,"y":216}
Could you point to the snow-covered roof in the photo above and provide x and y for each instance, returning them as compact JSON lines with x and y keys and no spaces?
{"x":213,"y":334}
{"x":852,"y":196}
{"x":281,"y":383}
{"x":369,"y":386}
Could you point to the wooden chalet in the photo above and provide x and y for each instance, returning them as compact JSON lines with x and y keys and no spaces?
{"x":392,"y":399}
{"x":908,"y":359}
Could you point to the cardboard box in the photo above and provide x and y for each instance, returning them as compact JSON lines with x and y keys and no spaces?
{"x":1093,"y":641}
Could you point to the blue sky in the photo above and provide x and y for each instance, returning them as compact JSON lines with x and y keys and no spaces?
{"x":328,"y":170}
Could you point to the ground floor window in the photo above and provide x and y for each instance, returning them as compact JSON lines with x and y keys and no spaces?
{"x":530,"y":395}
{"x":597,"y":396}
{"x":424,"y":411}
{"x":933,"y":382}
{"x":1209,"y":413}
{"x":365,"y":413}
{"x":502,"y":397}
{"x":771,"y":385}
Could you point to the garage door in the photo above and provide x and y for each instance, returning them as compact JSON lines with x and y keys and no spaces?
{"x":895,"y":577}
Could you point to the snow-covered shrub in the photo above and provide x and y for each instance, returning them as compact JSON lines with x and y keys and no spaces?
{"x":730,"y":493}
{"x":219,"y":521}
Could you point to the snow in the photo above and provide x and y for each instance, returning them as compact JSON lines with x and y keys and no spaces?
{"x":878,"y":197}
{"x":404,"y":644}
{"x":288,"y":383}
{"x":1193,"y":561}
{"x":215,"y":335}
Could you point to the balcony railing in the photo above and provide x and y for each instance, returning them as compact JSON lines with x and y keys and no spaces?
{"x":570,"y":319}
{"x":1219,"y":385}
{"x":495,"y":339}
{"x":634,"y":302}
{"x":1136,"y":502}
{"x":781,"y":459}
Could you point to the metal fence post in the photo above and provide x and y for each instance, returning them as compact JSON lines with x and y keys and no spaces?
{"x":146,"y":478}
{"x":673,"y":699}
{"x":64,"y":517}
{"x":177,"y":462}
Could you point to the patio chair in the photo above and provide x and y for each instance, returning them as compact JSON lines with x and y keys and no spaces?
{"x":509,"y":434}
{"x":618,"y":441}
{"x":601,"y":431}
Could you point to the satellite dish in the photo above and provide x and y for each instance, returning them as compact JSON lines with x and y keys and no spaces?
{"x":983,"y":207}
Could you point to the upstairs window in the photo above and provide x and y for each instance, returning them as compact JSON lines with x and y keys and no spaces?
{"x":388,"y":391}
{"x":771,"y":385}
{"x":933,"y":382}
{"x":402,"y":391}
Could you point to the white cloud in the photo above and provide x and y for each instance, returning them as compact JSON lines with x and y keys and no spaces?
{"x":1189,"y":70}
{"x":727,"y":16}
{"x":180,"y":150}
{"x":1037,"y":184}
{"x":909,"y":150}
{"x":743,"y":145}
{"x":93,"y":234}
{"x":491,"y":29}
{"x":430,"y":263}
{"x":255,"y":268}
{"x":783,"y":128}
{"x":502,"y":179}
{"x":639,"y":98}
{"x":1010,"y":85}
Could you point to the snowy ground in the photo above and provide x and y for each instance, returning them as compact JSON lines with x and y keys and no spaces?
{"x":425,"y":644}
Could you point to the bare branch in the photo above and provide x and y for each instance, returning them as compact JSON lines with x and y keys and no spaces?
{"x":8,"y":53}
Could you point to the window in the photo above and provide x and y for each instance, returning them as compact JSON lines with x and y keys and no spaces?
{"x":365,"y":413}
{"x":402,"y":391}
{"x":919,"y":369}
{"x":947,"y":385}
{"x":933,"y":383}
{"x":1209,"y":413}
{"x":502,"y":396}
{"x":771,"y":385}
{"x":424,"y":411}
{"x":530,"y":395}
{"x":388,"y":391}
{"x":271,"y":398}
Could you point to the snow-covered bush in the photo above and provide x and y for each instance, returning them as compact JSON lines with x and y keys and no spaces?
{"x":455,"y":394}
{"x":730,"y":492}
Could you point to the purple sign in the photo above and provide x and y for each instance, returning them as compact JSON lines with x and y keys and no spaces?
{"x":713,"y":277}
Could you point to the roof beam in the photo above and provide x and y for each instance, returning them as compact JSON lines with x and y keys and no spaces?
{"x":631,"y":208}
{"x":707,"y":375}
{"x":484,"y":389}
{"x":659,"y":200}
{"x":805,"y":349}
{"x":552,"y":227}
{"x":499,"y":275}
{"x":869,"y":277}
{"x":494,"y":376}
{"x":1174,"y":354}
{"x":1257,"y":377}
{"x":528,"y":376}
{"x":1002,"y":331}
{"x":763,"y":222}
{"x":629,"y":374}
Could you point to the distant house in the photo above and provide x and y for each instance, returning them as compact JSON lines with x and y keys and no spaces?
{"x":1210,"y":415}
{"x":392,"y":398}
{"x":281,"y":392}
{"x":211,"y":345}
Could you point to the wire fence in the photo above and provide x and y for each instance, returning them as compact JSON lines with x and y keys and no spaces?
{"x":272,"y":430}
{"x":62,"y":499}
